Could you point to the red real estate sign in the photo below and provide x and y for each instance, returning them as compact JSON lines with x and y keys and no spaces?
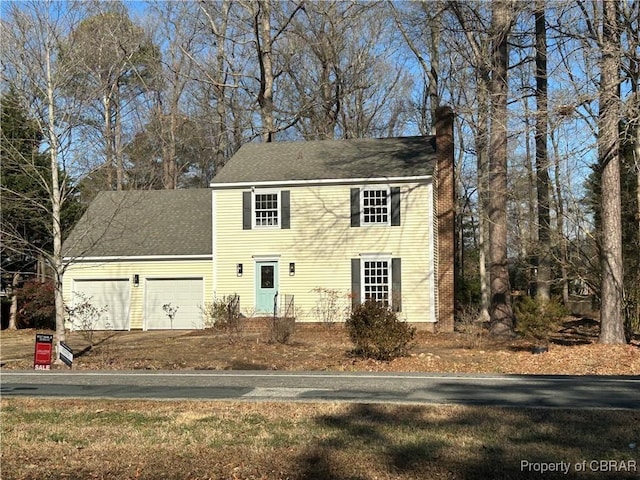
{"x":42,"y":355}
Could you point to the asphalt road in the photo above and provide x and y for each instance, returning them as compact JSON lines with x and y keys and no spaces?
{"x":505,"y":390}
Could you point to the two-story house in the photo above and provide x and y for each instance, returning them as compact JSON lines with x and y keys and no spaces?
{"x":366,"y":218}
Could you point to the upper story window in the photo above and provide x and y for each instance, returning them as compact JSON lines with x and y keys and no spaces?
{"x":375,"y":207}
{"x":266,"y":210}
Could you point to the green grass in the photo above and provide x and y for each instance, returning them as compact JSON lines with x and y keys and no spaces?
{"x":74,"y":439}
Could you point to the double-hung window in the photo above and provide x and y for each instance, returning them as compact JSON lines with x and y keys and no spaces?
{"x":376,"y":280}
{"x":375,"y":206}
{"x":266,"y":210}
{"x":377,"y":277}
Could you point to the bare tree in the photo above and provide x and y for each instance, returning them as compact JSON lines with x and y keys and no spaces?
{"x":338,"y":82}
{"x":425,"y":44}
{"x":265,"y":38}
{"x":543,"y":290}
{"x":611,"y":314}
{"x":179,"y":30}
{"x":217,"y":79}
{"x":477,"y":36}
{"x":630,"y":43}
{"x":31,"y":40}
{"x":111,"y":57}
{"x":502,"y":320}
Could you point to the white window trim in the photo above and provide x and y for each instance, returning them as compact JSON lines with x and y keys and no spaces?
{"x":388,"y":207}
{"x":253,"y":208}
{"x":375,"y":257}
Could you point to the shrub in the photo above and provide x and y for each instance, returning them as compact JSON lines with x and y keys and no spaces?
{"x":470,"y":324}
{"x":281,"y":329}
{"x":377,"y":333}
{"x":536,"y":320}
{"x":36,"y":305}
{"x":331,"y":306}
{"x":224,"y":314}
{"x":84,"y":316}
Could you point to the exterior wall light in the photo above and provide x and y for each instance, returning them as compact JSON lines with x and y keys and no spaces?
{"x":239,"y":269}
{"x":136,"y":280}
{"x":292,"y":269}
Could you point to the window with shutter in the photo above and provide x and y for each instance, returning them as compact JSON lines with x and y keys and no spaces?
{"x":377,"y":278}
{"x":375,"y":206}
{"x":266,"y":209}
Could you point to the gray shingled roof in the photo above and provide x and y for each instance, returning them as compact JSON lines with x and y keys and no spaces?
{"x":330,"y":159}
{"x":144,"y":222}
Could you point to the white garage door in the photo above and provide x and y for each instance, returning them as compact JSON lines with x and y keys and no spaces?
{"x":110,"y":298}
{"x":181,"y":298}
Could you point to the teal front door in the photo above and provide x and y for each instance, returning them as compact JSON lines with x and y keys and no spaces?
{"x":266,"y":286}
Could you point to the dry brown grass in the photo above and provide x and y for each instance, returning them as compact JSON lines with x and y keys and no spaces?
{"x":99,"y":439}
{"x":72,"y":439}
{"x":316,"y":347}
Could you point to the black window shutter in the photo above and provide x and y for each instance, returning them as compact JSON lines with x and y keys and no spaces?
{"x":396,"y":284}
{"x":355,"y":207}
{"x":246,"y":210}
{"x":355,"y":282}
{"x":395,"y":206}
{"x":285,"y":209}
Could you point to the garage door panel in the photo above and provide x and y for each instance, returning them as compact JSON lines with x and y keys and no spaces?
{"x":182,"y":295}
{"x":110,"y":297}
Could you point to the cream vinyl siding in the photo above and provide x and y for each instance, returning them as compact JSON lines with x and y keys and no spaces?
{"x":321,"y":243}
{"x":165,"y":268}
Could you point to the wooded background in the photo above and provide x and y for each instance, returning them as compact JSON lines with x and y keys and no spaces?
{"x":152,"y":95}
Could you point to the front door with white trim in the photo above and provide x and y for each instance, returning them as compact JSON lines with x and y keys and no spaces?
{"x":266,"y":286}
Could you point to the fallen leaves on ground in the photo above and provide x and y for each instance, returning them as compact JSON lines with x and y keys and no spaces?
{"x":574,"y":350}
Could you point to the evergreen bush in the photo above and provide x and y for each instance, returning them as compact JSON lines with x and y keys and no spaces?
{"x":377,"y":333}
{"x":536,"y":320}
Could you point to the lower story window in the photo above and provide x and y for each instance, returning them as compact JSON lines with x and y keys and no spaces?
{"x":376,"y":280}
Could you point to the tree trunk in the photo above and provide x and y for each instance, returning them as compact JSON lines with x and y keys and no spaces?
{"x":482,"y":133}
{"x":502,"y":321}
{"x":56,"y":204}
{"x":108,"y":140}
{"x":636,"y":145}
{"x":173,"y":140}
{"x":264,"y":45}
{"x":218,"y":25}
{"x":560,"y":216}
{"x":611,"y":313}
{"x":435,"y":33}
{"x":13,"y":312}
{"x":543,"y":288}
{"x":117,"y":139}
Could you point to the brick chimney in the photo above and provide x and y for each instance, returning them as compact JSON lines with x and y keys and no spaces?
{"x":444,"y":183}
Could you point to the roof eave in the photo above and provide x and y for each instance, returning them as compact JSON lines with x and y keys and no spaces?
{"x":320,"y":181}
{"x":121,"y":258}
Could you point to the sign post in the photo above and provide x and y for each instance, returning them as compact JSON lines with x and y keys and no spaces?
{"x":42,"y":355}
{"x":66,"y":354}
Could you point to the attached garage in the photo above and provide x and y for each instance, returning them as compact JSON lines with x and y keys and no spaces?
{"x":138,"y":250}
{"x":184,"y":297}
{"x":110,"y":296}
